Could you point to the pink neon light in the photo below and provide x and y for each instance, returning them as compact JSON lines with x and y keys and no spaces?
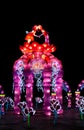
{"x":37,"y":57}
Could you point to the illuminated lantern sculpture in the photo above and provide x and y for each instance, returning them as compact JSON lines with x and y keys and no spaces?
{"x":79,"y":92}
{"x":1,"y":92}
{"x":37,"y":67}
{"x":67,"y":89}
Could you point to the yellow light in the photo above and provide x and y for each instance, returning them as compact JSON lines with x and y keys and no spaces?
{"x":2,"y":95}
{"x":53,"y":94}
{"x":43,"y":56}
{"x":69,"y":93}
{"x":77,"y":92}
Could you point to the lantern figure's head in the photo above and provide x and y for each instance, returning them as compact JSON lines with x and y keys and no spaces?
{"x":31,"y":45}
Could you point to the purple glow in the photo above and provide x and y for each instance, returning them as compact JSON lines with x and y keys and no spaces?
{"x":29,"y":66}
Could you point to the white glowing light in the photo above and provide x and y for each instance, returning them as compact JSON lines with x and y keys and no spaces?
{"x":27,"y":32}
{"x":38,"y":76}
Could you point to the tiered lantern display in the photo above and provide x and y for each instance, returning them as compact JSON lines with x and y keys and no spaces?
{"x":37,"y":67}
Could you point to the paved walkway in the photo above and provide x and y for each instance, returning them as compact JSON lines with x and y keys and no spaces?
{"x":69,"y":120}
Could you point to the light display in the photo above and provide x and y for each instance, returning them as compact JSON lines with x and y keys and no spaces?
{"x":67,"y":89}
{"x":80,"y":105}
{"x":26,"y":111}
{"x":78,"y":92}
{"x":54,"y":75}
{"x":81,"y":86}
{"x":5,"y":104}
{"x":2,"y":94}
{"x":55,"y":105}
{"x":55,"y":108}
{"x":37,"y":67}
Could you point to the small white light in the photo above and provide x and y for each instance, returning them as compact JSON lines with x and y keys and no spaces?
{"x":26,"y":32}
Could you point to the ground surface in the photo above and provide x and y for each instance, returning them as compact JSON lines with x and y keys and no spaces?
{"x":69,"y":120}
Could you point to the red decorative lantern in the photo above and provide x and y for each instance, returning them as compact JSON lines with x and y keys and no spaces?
{"x":29,"y":37}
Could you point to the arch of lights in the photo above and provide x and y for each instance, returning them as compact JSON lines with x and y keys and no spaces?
{"x":37,"y":62}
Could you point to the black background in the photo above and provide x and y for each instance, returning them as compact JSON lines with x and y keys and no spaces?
{"x":65,"y":25}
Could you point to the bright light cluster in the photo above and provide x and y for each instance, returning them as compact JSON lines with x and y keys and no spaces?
{"x":25,"y":110}
{"x":31,"y":46}
{"x":38,"y":77}
{"x":67,"y":89}
{"x":35,"y":46}
{"x":30,"y":36}
{"x":37,"y":63}
{"x":78,"y":92}
{"x":80,"y":104}
{"x":20,"y":75}
{"x":81,"y":85}
{"x":54,"y":76}
{"x":1,"y":91}
{"x":55,"y":104}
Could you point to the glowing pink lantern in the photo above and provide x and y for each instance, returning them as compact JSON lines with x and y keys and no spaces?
{"x":37,"y":58}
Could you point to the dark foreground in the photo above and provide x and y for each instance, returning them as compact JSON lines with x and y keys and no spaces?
{"x":69,"y":120}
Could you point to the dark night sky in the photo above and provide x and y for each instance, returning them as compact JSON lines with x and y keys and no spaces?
{"x":66,"y":30}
